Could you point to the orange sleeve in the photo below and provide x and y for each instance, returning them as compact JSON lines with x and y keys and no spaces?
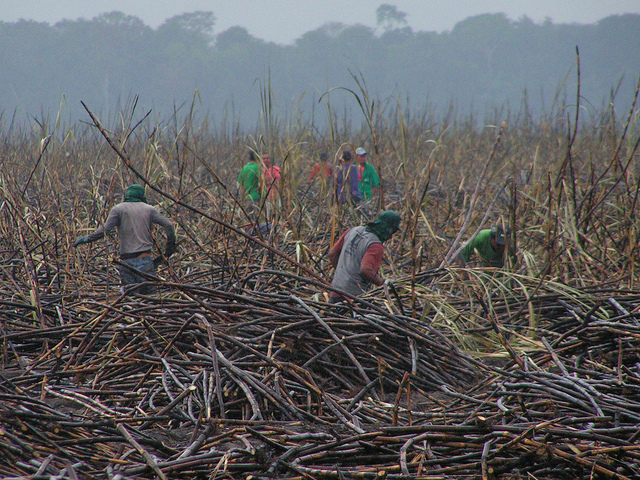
{"x":371,"y":262}
{"x":334,"y":253}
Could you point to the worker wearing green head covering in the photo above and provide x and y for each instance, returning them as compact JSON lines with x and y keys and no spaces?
{"x":135,"y":193}
{"x":134,"y":219}
{"x":357,"y":255}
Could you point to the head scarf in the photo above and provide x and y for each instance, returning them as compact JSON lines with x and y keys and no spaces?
{"x":135,"y":193}
{"x":385,"y":225}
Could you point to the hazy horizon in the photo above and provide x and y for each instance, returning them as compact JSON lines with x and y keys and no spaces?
{"x":284,"y":21}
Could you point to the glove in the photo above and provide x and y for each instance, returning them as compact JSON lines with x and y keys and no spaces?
{"x":170,"y":249}
{"x":81,"y":241}
{"x":388,"y":282}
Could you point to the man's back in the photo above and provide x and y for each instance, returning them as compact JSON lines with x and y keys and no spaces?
{"x":482,"y":245}
{"x":134,"y":221}
{"x":249,"y":180}
{"x":368,"y":179}
{"x":347,"y":275}
{"x":347,"y":184}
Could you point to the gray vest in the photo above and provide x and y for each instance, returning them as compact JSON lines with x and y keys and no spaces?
{"x":347,"y":276}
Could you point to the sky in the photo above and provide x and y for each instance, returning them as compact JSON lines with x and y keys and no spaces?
{"x":284,"y":21}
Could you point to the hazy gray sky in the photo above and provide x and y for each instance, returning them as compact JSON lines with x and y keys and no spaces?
{"x":283,"y":21}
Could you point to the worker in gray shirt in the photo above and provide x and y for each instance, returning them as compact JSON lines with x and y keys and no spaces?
{"x":357,"y":255}
{"x":134,"y":219}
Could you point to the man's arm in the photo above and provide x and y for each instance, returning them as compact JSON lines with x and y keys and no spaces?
{"x":334,"y":253}
{"x":459,"y":260}
{"x":355,"y":183}
{"x":375,"y":179}
{"x":112,"y":221}
{"x":370,"y":264}
{"x":375,"y":184}
{"x":467,"y":252}
{"x":240,"y":184}
{"x":169,"y":230}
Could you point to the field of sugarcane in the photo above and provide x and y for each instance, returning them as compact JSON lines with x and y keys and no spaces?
{"x":240,"y":368}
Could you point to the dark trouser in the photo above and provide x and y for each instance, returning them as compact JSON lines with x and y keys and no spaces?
{"x":129,"y":277}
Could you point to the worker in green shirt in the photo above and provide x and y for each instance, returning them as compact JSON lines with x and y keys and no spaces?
{"x":368,"y":178}
{"x":490,"y":245}
{"x":249,"y":180}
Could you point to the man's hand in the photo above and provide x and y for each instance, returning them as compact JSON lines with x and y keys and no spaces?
{"x":170,"y":249}
{"x":81,"y":241}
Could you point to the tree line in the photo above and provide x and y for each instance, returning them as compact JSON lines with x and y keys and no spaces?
{"x":485,"y":63}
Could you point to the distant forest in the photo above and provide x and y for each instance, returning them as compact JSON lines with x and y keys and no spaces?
{"x":486,"y":64}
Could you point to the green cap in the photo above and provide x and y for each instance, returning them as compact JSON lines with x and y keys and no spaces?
{"x":391,"y":218}
{"x":387,"y":223}
{"x":135,"y":193}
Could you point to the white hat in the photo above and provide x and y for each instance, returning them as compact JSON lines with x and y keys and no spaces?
{"x":360,"y":151}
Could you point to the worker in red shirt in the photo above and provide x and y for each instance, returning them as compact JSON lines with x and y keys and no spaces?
{"x":357,"y":255}
{"x":323,"y":169}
